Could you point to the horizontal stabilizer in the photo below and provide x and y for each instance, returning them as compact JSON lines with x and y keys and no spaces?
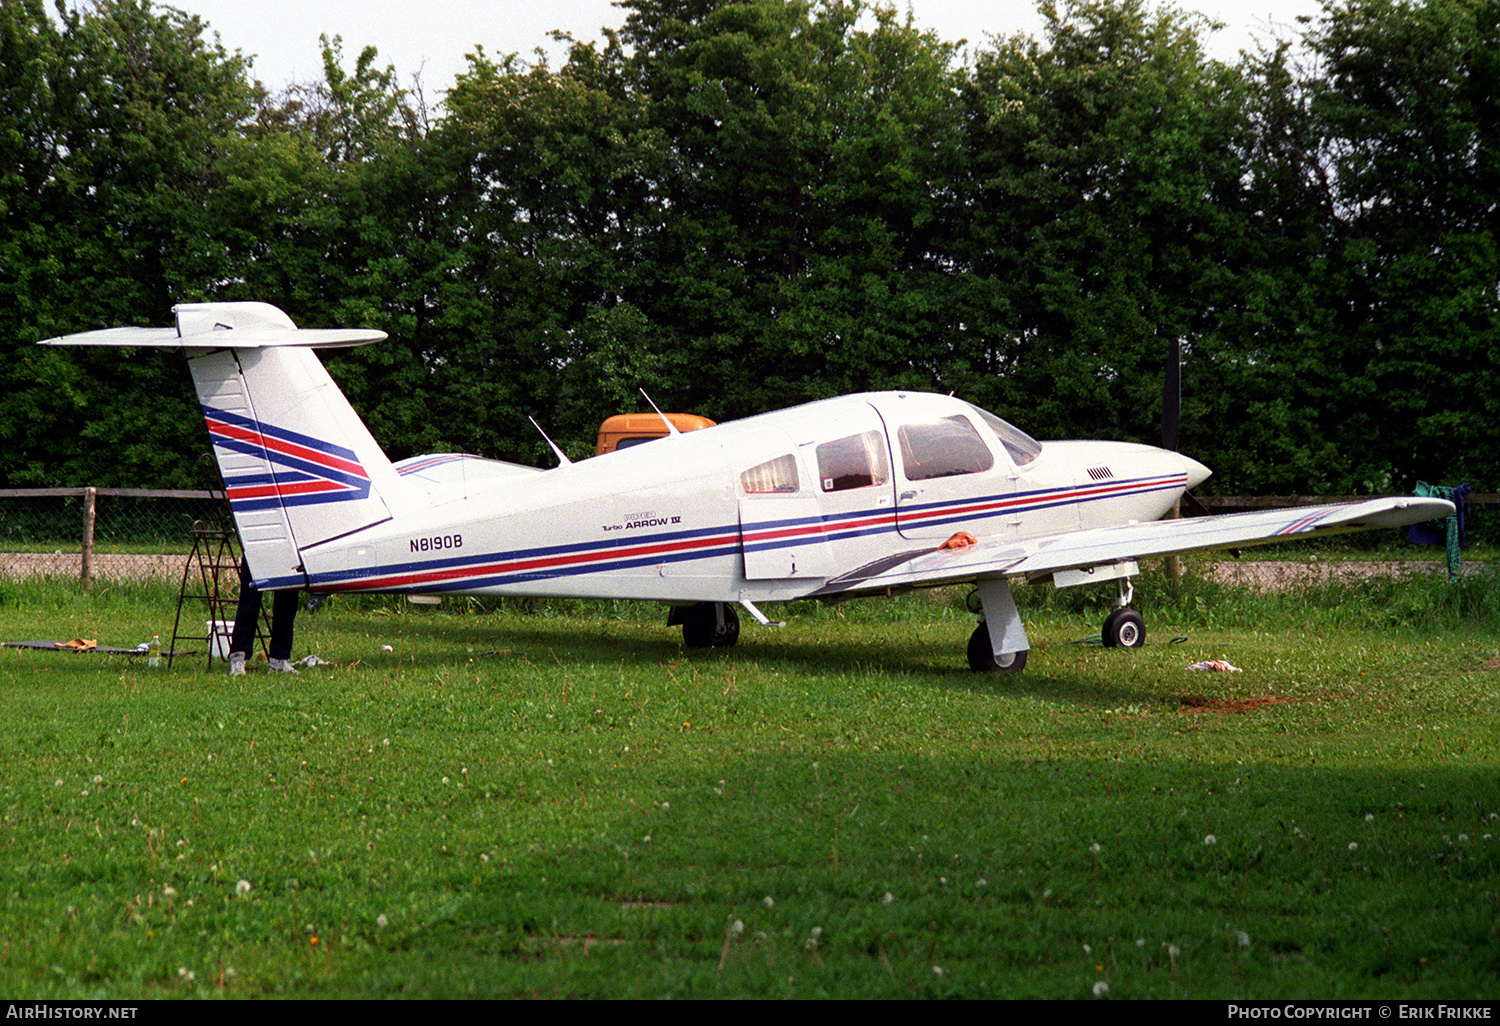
{"x":224,"y":326}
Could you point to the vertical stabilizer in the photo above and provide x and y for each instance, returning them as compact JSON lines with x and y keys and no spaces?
{"x":299,"y":465}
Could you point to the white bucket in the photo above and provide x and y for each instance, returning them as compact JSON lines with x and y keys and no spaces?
{"x":219,"y":633}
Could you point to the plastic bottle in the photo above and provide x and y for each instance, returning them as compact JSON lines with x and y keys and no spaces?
{"x":153,"y":652}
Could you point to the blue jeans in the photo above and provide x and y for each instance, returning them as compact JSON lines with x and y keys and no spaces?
{"x":247,"y":618}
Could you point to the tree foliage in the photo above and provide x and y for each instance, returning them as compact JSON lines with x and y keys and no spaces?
{"x":741,"y":204}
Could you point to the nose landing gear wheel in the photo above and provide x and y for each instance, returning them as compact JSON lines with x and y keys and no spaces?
{"x":1124,"y":628}
{"x":982,"y":657}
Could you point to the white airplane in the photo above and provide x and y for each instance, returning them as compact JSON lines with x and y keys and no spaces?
{"x":860,"y":495}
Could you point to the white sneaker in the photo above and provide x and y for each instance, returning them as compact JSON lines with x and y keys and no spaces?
{"x":236,"y":664}
{"x":282,"y":666}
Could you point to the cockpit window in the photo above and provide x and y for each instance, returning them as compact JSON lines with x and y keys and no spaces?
{"x":773,"y":476}
{"x":854,"y":462}
{"x":948,"y":447}
{"x":1021,"y":446}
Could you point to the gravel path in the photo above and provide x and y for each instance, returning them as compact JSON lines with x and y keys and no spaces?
{"x":1276,"y":576}
{"x":108,"y":567}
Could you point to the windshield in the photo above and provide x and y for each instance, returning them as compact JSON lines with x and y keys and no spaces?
{"x":1021,"y":446}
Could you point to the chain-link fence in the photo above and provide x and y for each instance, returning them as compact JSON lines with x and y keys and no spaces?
{"x":102,"y":533}
{"x":142,"y":535}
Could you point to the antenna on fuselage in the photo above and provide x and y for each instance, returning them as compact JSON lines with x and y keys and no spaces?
{"x":562,"y":456}
{"x":671,"y":428}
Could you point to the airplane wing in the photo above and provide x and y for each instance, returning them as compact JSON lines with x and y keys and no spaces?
{"x":1079,"y":549}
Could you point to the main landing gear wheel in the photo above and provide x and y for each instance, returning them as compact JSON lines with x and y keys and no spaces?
{"x":1124,"y":628}
{"x":982,"y":656}
{"x":703,"y":626}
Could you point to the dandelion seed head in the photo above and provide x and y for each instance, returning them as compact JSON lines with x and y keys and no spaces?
{"x":887,"y":898}
{"x":243,"y":887}
{"x":1354,"y":846}
{"x":768,"y":901}
{"x":1210,"y":840}
{"x":1369,"y":817}
{"x":1101,"y":988}
{"x":1095,"y":848}
{"x":1244,"y":939}
{"x":381,"y":922}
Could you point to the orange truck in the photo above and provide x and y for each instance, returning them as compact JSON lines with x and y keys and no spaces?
{"x":626,"y":429}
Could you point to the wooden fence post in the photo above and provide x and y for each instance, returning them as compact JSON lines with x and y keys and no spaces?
{"x":86,"y":571}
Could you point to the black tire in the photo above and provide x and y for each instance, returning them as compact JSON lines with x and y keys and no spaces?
{"x":982,"y":656}
{"x":700,"y":626}
{"x":1124,"y":628}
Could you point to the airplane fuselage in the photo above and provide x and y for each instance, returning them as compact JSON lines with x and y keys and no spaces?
{"x":774,"y":507}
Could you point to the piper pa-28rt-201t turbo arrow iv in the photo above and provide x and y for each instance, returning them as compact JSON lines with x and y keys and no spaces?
{"x":859,"y":495}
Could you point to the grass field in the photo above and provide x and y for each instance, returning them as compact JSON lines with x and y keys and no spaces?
{"x":560,"y":802}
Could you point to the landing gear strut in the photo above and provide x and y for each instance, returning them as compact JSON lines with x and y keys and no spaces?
{"x":1124,"y":627}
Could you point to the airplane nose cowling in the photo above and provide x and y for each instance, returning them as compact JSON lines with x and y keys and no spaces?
{"x":1197,"y":473}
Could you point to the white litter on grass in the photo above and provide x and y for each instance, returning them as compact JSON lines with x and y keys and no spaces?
{"x":313,"y":660}
{"x":1216,"y":664}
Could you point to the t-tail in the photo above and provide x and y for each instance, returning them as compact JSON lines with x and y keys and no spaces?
{"x":299,"y":466}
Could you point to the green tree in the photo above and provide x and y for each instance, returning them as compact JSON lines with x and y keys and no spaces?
{"x":1408,"y":115}
{"x":797,"y":241}
{"x":1104,"y":214}
{"x":114,"y":118}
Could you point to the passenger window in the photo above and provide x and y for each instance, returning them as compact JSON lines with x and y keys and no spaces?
{"x":773,"y":476}
{"x":943,"y":448}
{"x":854,"y":462}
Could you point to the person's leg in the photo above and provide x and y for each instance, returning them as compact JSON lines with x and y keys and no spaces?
{"x":246,"y":616}
{"x":283,"y":620}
